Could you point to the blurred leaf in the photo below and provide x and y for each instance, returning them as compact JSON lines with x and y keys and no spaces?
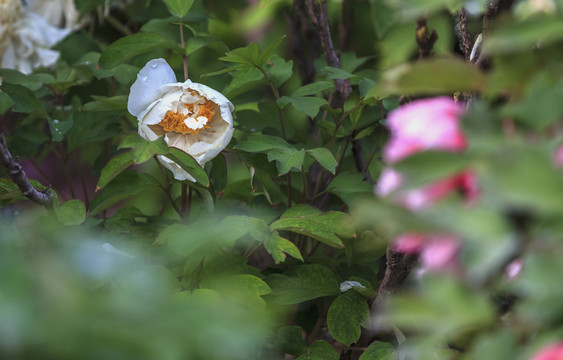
{"x":24,"y":99}
{"x":313,"y":88}
{"x":247,"y":289}
{"x":179,"y":8}
{"x":71,"y":212}
{"x":336,"y":73}
{"x":195,"y":43}
{"x":320,"y":350}
{"x":382,"y":16}
{"x":124,"y":185}
{"x":442,"y":307}
{"x":129,"y":46}
{"x":515,"y":36}
{"x":278,"y":247}
{"x":346,"y":315}
{"x":325,"y":158}
{"x":31,"y":81}
{"x":379,"y":350}
{"x":368,"y":246}
{"x":114,"y":167}
{"x":189,"y":164}
{"x":429,"y":77}
{"x":142,"y":149}
{"x":429,"y":166}
{"x":290,"y":341}
{"x":310,"y":282}
{"x":306,"y":104}
{"x":103,"y":103}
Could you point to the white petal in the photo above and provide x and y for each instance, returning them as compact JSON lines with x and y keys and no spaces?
{"x":147,"y":88}
{"x":177,"y":171}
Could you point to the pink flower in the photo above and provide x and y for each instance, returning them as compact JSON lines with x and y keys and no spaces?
{"x":437,"y":252}
{"x":428,"y":124}
{"x":551,"y":352}
{"x":558,"y":158}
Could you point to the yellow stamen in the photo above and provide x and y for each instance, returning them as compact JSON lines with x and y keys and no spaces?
{"x":174,"y":120}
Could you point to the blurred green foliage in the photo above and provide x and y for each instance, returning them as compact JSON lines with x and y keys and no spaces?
{"x":246,"y":262}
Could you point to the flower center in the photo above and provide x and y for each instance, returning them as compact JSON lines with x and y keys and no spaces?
{"x":189,"y":119}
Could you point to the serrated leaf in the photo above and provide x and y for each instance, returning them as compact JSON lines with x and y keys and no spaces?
{"x":287,"y":159}
{"x":324,"y":158}
{"x":269,"y":50}
{"x":189,"y":164}
{"x":132,"y":45}
{"x":278,"y":247}
{"x":346,"y":315}
{"x":195,"y":43}
{"x":336,"y":73}
{"x":310,"y":282}
{"x":306,"y":104}
{"x":114,"y":167}
{"x":245,"y":79}
{"x":179,"y":8}
{"x":71,"y":212}
{"x":279,"y":70}
{"x":247,"y":55}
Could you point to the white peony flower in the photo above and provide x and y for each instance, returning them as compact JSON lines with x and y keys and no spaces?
{"x":60,"y":13}
{"x":192,"y":117}
{"x":25,"y":38}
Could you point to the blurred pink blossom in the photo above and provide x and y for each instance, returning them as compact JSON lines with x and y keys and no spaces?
{"x":428,"y":124}
{"x":514,"y":268}
{"x":551,"y":352}
{"x":558,"y":158}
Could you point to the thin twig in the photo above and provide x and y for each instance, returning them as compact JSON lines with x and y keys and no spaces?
{"x":465,"y":34}
{"x":424,"y":39}
{"x":43,"y":198}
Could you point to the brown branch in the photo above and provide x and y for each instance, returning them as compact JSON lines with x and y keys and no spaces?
{"x":424,"y":40}
{"x":44,"y":198}
{"x":319,"y":17}
{"x":465,"y":34}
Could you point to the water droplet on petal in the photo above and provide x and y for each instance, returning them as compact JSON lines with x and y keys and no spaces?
{"x":154,"y":65}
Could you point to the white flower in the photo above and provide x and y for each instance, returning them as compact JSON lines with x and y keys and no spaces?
{"x":25,"y":38}
{"x":191,"y":117}
{"x":347,"y":285}
{"x":60,"y":13}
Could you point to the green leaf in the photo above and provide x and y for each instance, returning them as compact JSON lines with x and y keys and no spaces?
{"x":379,"y":350}
{"x":269,"y":50}
{"x":142,"y":149}
{"x":429,"y":166}
{"x":349,"y":186}
{"x":218,"y":173}
{"x":132,"y":45}
{"x":279,"y":70}
{"x":114,"y":167}
{"x":325,"y":158}
{"x":102,"y":103}
{"x":59,"y":128}
{"x":308,"y":105}
{"x":244,"y":80}
{"x":179,"y":8}
{"x":313,"y":88}
{"x":247,"y":55}
{"x":90,"y":127}
{"x":195,"y":43}
{"x":346,"y":315}
{"x":241,"y":288}
{"x":287,"y":159}
{"x":278,"y":247}
{"x":310,"y":282}
{"x":183,"y":239}
{"x":31,"y":81}
{"x":71,"y":212}
{"x":435,"y":76}
{"x":24,"y":99}
{"x":189,"y":164}
{"x":320,"y":350}
{"x":368,"y":246}
{"x":290,"y":340}
{"x":262,"y":143}
{"x":126,"y":184}
{"x":336,"y":73}
{"x":519,"y":36}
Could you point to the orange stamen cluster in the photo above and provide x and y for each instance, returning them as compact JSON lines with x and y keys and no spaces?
{"x":174,"y":120}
